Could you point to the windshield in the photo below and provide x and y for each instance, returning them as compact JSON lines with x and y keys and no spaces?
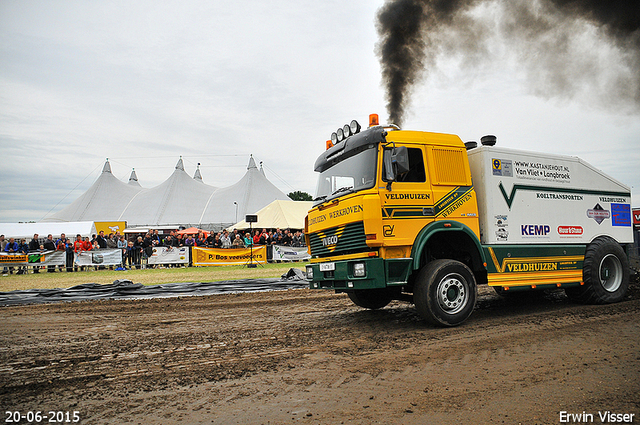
{"x":351,"y":175}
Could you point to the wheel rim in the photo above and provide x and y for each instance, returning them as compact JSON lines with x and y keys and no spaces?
{"x":452,"y":293}
{"x":610,"y":273}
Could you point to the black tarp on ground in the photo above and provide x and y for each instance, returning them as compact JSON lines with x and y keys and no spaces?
{"x":126,"y":289}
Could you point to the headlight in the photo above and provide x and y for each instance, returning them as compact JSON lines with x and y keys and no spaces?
{"x":355,"y":127}
{"x":346,"y":130}
{"x":340,"y":134}
{"x":359,"y":270}
{"x":309,"y":273}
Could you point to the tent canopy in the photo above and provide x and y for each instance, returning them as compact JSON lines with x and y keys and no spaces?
{"x":279,"y":214}
{"x":192,"y":231}
{"x":27,"y":230}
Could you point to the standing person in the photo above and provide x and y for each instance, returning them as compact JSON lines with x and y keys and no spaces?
{"x":11,"y":248}
{"x":238,"y":242}
{"x":248,"y":240}
{"x":217,"y":242}
{"x":23,"y":248}
{"x":3,"y":243}
{"x":70,"y":253}
{"x":226,"y":240}
{"x":200,"y":240}
{"x":34,"y":246}
{"x":102,"y":242}
{"x":139,"y":249}
{"x":122,"y":246}
{"x":62,"y":247}
{"x":50,"y":245}
{"x":112,"y":241}
{"x":78,"y":246}
{"x":131,"y":254}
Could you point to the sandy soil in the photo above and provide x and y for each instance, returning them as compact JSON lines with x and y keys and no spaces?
{"x":299,"y":356}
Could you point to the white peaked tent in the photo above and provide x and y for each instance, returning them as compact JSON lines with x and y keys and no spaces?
{"x":251,"y":193}
{"x":103,"y":201}
{"x":133,"y":179}
{"x":279,"y":214}
{"x":179,"y":200}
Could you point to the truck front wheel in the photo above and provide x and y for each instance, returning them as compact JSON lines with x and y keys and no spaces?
{"x":605,"y":273}
{"x":445,"y":292}
{"x":371,"y":298}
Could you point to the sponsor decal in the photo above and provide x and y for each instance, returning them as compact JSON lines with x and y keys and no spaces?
{"x":540,"y":171}
{"x":346,"y":211}
{"x":609,"y":199}
{"x":502,"y":167}
{"x":636,"y":216}
{"x":502,"y":220}
{"x":451,"y":208}
{"x":532,"y":267}
{"x":621,"y":215}
{"x":598,"y":213}
{"x":330,"y":240}
{"x":318,"y":219}
{"x":502,"y":234}
{"x":535,"y":230}
{"x":560,"y":196}
{"x":408,"y":195}
{"x":570,"y":230}
{"x":387,"y":231}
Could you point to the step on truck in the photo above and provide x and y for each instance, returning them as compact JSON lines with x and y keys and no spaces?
{"x":425,"y":218}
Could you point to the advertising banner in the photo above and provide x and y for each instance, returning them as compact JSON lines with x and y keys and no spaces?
{"x":170,"y":255}
{"x":110,"y":226}
{"x":227,"y":257}
{"x":289,"y":253}
{"x":99,"y":257}
{"x":47,"y":258}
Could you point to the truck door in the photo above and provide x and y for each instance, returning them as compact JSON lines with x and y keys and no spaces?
{"x":407,"y":203}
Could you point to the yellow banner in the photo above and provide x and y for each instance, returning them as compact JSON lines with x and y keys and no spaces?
{"x":227,"y":257}
{"x":110,"y":226}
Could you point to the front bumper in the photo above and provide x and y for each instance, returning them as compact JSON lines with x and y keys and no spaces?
{"x":379,"y":273}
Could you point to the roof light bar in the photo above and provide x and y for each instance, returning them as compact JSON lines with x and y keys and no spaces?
{"x":346,"y":131}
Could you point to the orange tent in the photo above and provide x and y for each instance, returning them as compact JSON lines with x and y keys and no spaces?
{"x":192,"y":231}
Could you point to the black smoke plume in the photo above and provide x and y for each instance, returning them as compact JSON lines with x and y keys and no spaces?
{"x":553,"y":40}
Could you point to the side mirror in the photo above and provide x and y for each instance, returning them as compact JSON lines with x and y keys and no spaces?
{"x":396,"y":162}
{"x":400,"y":160}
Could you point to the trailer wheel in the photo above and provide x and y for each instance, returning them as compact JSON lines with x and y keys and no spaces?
{"x":371,"y":298}
{"x":605,"y":273}
{"x":445,"y":292}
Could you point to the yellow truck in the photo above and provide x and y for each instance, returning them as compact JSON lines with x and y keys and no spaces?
{"x":425,"y":218}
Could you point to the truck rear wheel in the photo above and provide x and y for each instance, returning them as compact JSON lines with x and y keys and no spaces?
{"x":605,"y":273}
{"x":445,"y":292}
{"x":371,"y":298}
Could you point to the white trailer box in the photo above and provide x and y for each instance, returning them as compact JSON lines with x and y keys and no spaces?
{"x":534,"y":198}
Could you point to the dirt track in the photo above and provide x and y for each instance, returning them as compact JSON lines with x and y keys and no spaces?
{"x":313,"y":357}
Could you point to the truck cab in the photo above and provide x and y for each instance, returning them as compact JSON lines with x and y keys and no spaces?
{"x":388,"y":203}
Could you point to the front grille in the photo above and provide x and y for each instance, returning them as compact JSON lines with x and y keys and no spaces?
{"x":346,"y":239}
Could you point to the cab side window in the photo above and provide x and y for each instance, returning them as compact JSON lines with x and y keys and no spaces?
{"x":416,"y":173}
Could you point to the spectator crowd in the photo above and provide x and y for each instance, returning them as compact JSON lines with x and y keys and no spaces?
{"x":139,"y":247}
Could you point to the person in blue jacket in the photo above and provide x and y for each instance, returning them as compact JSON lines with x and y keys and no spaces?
{"x":23,"y":248}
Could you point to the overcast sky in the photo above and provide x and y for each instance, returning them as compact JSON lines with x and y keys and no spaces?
{"x":143,"y":83}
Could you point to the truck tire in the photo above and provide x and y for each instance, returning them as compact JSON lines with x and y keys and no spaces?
{"x":371,"y":298}
{"x":605,"y":273}
{"x":445,"y":292}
